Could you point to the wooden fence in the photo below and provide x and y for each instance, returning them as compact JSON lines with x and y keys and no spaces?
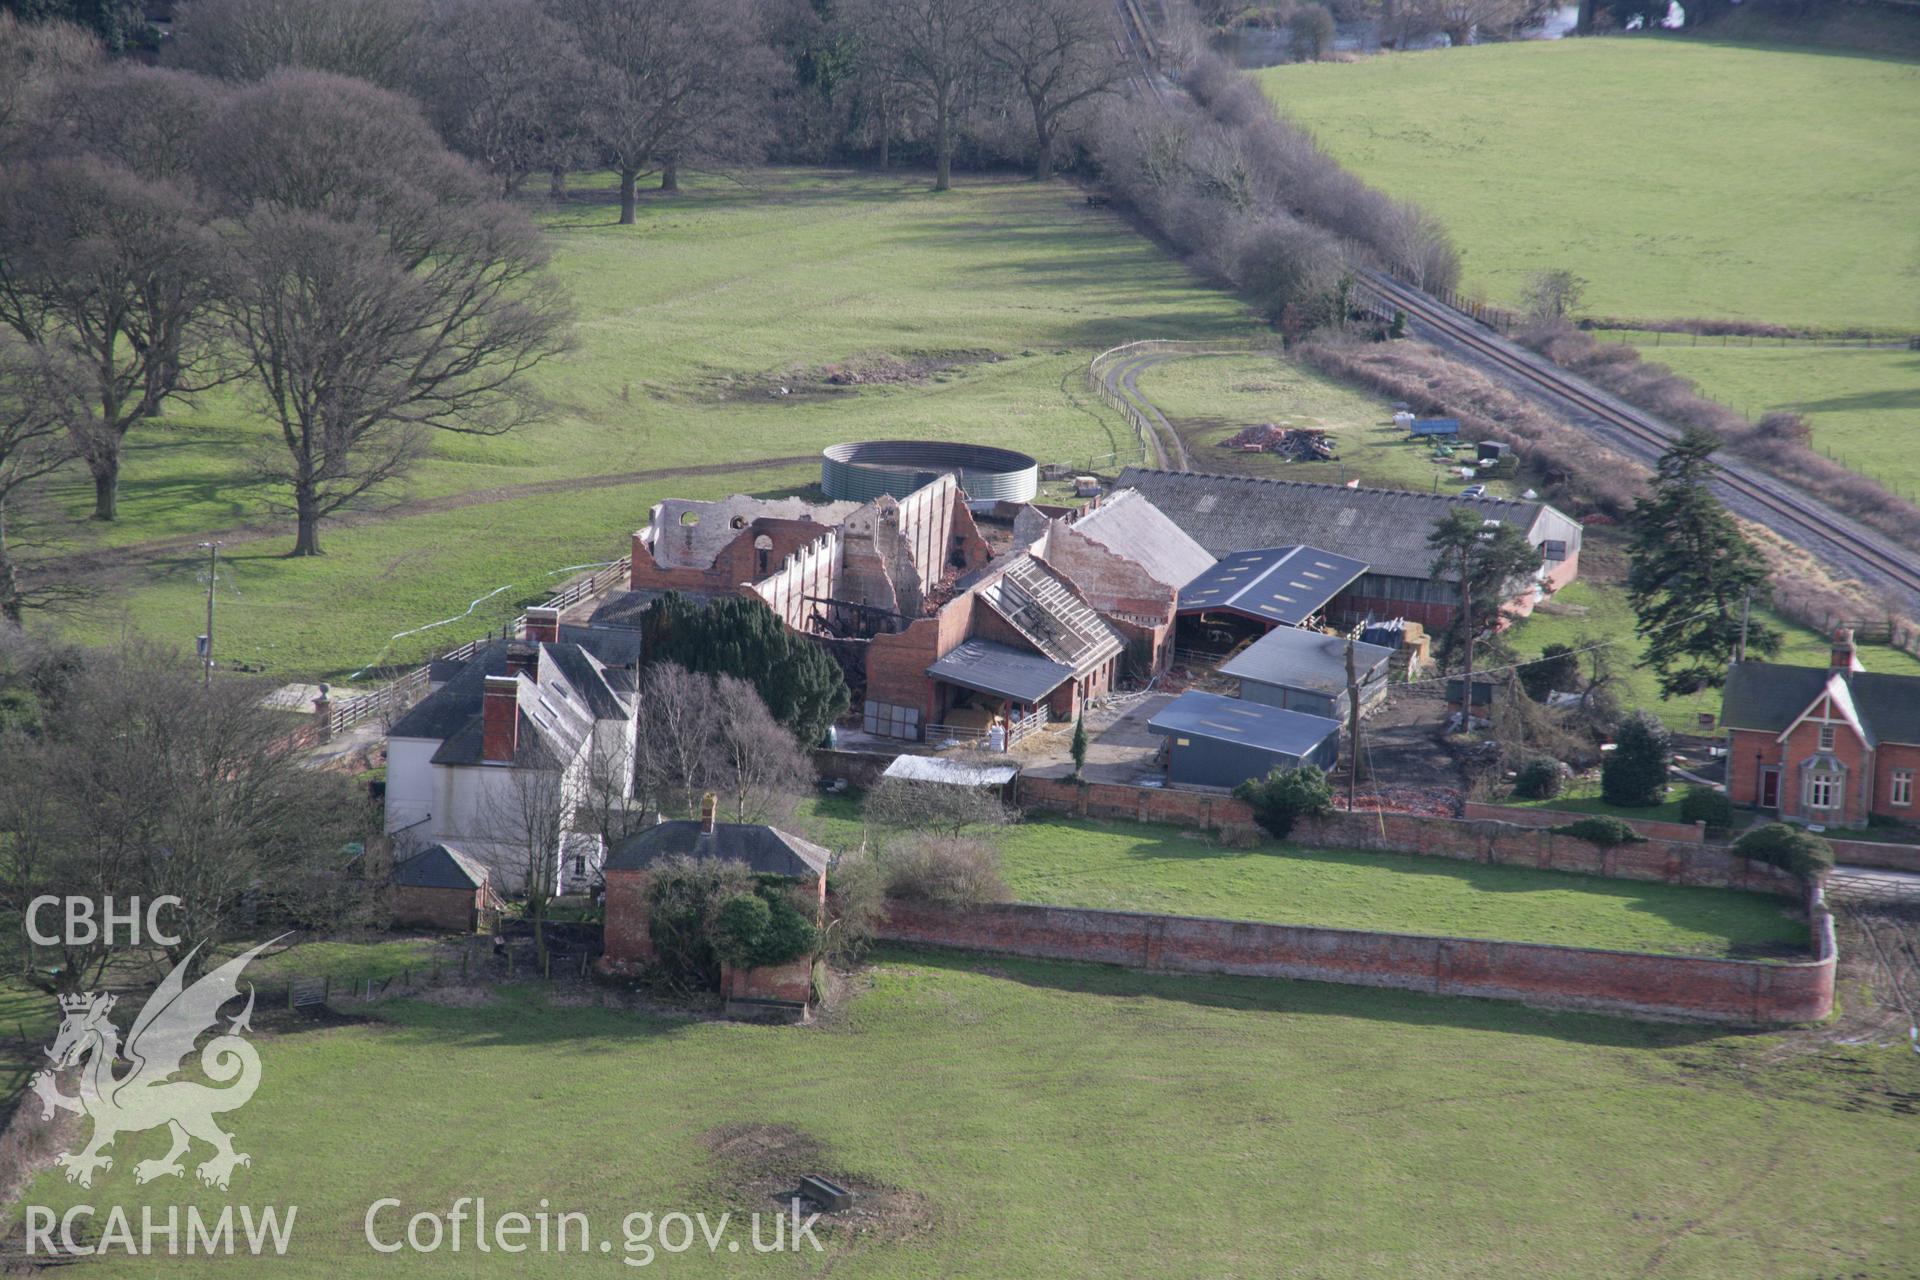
{"x":407,"y":688}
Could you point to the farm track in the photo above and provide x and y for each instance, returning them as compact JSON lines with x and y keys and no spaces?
{"x":100,"y":559}
{"x":1841,"y":542}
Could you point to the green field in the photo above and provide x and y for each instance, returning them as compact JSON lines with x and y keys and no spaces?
{"x":1132,"y":866}
{"x":1021,"y":1119}
{"x":1862,"y":403}
{"x":975,"y":312}
{"x":1211,"y":398}
{"x":1679,"y":178}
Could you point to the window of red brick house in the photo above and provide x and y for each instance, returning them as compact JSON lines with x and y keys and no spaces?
{"x":1902,"y":789}
{"x":1826,"y":737}
{"x":1823,"y":791}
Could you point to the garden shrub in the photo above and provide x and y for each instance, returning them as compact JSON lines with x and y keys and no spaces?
{"x":1634,"y":774}
{"x":1538,"y":779}
{"x":703,"y":914}
{"x":1790,"y":848}
{"x":1602,"y":830}
{"x":952,"y":870}
{"x":1285,"y":796}
{"x":1704,"y":804}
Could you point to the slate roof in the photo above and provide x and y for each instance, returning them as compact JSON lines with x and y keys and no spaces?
{"x":570,"y":690}
{"x":765,"y":850}
{"x":1195,"y":714}
{"x":1001,"y":669}
{"x":1130,"y":526}
{"x":1770,"y":696}
{"x":677,"y":544}
{"x":1285,"y":585}
{"x":1289,"y":658}
{"x":439,"y":866}
{"x":1040,"y":605}
{"x":1386,"y":529}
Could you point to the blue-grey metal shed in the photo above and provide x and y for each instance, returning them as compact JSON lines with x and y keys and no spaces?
{"x":1307,"y":671}
{"x":1436,"y":427}
{"x":1221,"y":742}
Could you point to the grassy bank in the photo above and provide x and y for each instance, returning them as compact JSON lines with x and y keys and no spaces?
{"x":1020,"y":1119}
{"x":1679,"y":178}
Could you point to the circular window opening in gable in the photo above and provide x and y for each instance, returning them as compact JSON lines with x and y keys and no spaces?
{"x":689,"y":518}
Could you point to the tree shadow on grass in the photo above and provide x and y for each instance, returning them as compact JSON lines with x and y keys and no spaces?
{"x":1316,"y":999}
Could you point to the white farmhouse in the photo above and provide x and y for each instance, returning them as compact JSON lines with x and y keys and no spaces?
{"x":500,"y":757}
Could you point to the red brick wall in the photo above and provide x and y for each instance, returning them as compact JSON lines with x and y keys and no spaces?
{"x":792,"y":981}
{"x":625,"y":932}
{"x":1739,"y":991}
{"x":1748,"y":751}
{"x":1684,"y":832}
{"x":1873,"y":853}
{"x":1804,"y":741}
{"x":1892,"y":756}
{"x":451,"y":909}
{"x":1502,"y":843}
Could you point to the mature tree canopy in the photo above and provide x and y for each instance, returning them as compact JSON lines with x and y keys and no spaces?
{"x":932,"y":48}
{"x":118,"y":273}
{"x":373,"y":302}
{"x":41,"y":397}
{"x":1692,"y":573}
{"x":1058,"y":54}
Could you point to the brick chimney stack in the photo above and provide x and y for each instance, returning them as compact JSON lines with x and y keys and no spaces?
{"x":709,"y":806}
{"x":542,"y":625}
{"x":500,"y":719}
{"x":1845,"y":657}
{"x":523,"y":657}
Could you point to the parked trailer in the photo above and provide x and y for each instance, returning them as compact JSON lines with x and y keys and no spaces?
{"x":1435,"y":427}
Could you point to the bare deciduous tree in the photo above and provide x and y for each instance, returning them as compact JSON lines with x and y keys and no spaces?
{"x":673,"y":754}
{"x":505,"y":82}
{"x":933,"y":47}
{"x":153,"y":120}
{"x":527,"y":818}
{"x":674,"y":82}
{"x":249,"y":39}
{"x":1552,"y":296}
{"x":1461,"y":19}
{"x":1058,"y":54}
{"x":756,"y":764}
{"x":118,"y":273}
{"x":40,"y":398}
{"x":935,"y":806}
{"x":34,"y":58}
{"x":376,"y":296}
{"x":149,"y":783}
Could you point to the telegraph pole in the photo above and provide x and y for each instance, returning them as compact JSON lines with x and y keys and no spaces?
{"x":1353,"y":727}
{"x":1746,"y":606}
{"x":213,"y":566}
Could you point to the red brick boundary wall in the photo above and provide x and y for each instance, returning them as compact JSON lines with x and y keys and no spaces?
{"x":1748,"y":992}
{"x":1871,"y":853}
{"x":1680,"y":832}
{"x":1502,"y":843}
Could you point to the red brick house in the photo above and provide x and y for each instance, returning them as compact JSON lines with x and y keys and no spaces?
{"x":443,"y":888}
{"x":1830,"y":745}
{"x":762,"y":850}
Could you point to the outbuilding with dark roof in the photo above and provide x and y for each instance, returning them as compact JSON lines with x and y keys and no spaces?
{"x":1221,"y":742}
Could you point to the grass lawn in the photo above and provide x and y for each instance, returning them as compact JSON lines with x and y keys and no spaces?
{"x":1862,"y":403}
{"x":1130,"y":866}
{"x":1582,"y":795}
{"x":1679,"y":178}
{"x":1209,"y":399}
{"x":690,"y":323}
{"x":1029,"y":1119}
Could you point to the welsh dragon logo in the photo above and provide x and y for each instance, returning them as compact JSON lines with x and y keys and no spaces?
{"x":146,"y":1097}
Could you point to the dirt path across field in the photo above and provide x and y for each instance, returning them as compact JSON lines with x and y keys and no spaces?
{"x":98,"y":559}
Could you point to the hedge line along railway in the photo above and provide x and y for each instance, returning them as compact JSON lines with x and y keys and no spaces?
{"x":1835,"y":538}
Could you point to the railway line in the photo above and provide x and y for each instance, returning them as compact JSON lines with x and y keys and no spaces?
{"x":1835,"y":538}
